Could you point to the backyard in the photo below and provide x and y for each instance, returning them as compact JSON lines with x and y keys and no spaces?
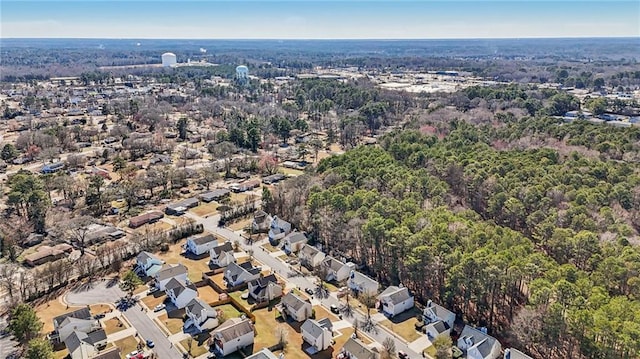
{"x":196,"y":267}
{"x":229,"y":311}
{"x":208,"y":294}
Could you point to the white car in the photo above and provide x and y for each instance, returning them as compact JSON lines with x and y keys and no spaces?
{"x":132,"y":354}
{"x":159,"y":307}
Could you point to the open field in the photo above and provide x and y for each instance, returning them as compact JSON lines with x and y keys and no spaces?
{"x":173,"y":321}
{"x":113,"y":325}
{"x":206,"y":209}
{"x":126,"y":345}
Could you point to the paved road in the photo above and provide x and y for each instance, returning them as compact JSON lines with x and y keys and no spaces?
{"x":8,"y":345}
{"x":379,"y":335}
{"x":101,"y":293}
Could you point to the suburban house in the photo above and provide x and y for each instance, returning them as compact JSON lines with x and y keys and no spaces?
{"x":261,"y":221}
{"x":237,"y":274}
{"x":515,"y":354}
{"x":112,"y":353}
{"x":318,"y":334}
{"x":168,"y":272}
{"x":395,"y":300}
{"x":147,"y":264}
{"x":278,"y":229}
{"x":360,"y":283}
{"x":438,"y":320}
{"x":80,"y":332}
{"x":180,"y":292}
{"x":336,"y":270}
{"x":356,"y":349}
{"x":222,"y":255}
{"x":477,"y":344}
{"x":265,"y":353}
{"x":294,"y":307}
{"x":233,"y":334}
{"x":265,"y":289}
{"x":293,"y":242}
{"x":46,"y":254}
{"x":179,"y":208}
{"x":215,"y":195}
{"x":151,"y":217}
{"x":274,"y":178}
{"x":201,"y":245}
{"x":201,"y":316}
{"x":310,"y":256}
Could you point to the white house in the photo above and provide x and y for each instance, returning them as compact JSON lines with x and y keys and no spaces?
{"x":222,"y":255}
{"x":200,"y":315}
{"x":278,"y":229}
{"x":147,"y":264}
{"x":168,"y":272}
{"x":395,"y":300}
{"x":261,"y":221}
{"x":477,"y":344}
{"x":355,"y":349}
{"x":80,"y":332}
{"x":310,"y":256}
{"x":265,"y":353}
{"x":318,"y":334}
{"x":180,"y":293}
{"x":336,"y":270}
{"x":233,"y":334}
{"x":512,"y":353}
{"x":438,"y":320}
{"x":293,"y":242}
{"x":237,"y":274}
{"x":295,"y":307}
{"x":201,"y":245}
{"x":360,"y":283}
{"x":265,"y":289}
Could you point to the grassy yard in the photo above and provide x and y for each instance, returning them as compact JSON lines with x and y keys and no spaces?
{"x":219,"y":280}
{"x":430,"y":351}
{"x":197,"y":348}
{"x":60,"y":354}
{"x":157,"y":227}
{"x":49,"y":310}
{"x":290,"y":171}
{"x":236,"y":295}
{"x":241,"y":224}
{"x":173,"y":321}
{"x":270,"y":248}
{"x":151,"y":301}
{"x":208,"y":294}
{"x":404,"y":325}
{"x":127,"y":345}
{"x":229,"y":311}
{"x":196,"y":267}
{"x":206,"y":209}
{"x":99,"y":309}
{"x":113,"y":325}
{"x":321,"y":313}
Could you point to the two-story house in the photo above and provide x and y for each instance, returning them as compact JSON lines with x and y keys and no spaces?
{"x":336,"y":270}
{"x":477,"y":344}
{"x":180,"y":292}
{"x":318,"y":334}
{"x":201,"y":316}
{"x":355,"y":349}
{"x":265,"y":289}
{"x":200,"y":245}
{"x":168,"y":272}
{"x":261,"y":221}
{"x":232,"y":335}
{"x":147,"y":264}
{"x":310,"y":256}
{"x":438,"y":320}
{"x":237,"y":274}
{"x":294,"y":307}
{"x":395,"y":300}
{"x":83,"y":335}
{"x":278,"y":229}
{"x":360,"y":283}
{"x":265,"y":353}
{"x":293,"y":242}
{"x":222,"y":255}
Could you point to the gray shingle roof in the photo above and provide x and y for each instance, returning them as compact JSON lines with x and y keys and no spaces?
{"x":82,"y":313}
{"x":171,"y":272}
{"x":233,"y":328}
{"x":291,"y":300}
{"x":358,"y":350}
{"x":204,"y":239}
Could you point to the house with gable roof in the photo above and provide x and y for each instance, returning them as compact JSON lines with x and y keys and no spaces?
{"x":318,"y":333}
{"x":438,"y":320}
{"x":168,"y":272}
{"x":147,"y":264}
{"x":232,"y":335}
{"x":201,"y":245}
{"x":475,"y":343}
{"x":222,"y":255}
{"x":310,"y":256}
{"x":201,"y":316}
{"x":360,"y":283}
{"x":293,"y":306}
{"x":395,"y":300}
{"x":180,"y":292}
{"x":265,"y":289}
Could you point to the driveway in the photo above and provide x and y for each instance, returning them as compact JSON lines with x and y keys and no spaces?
{"x":379,"y":335}
{"x":101,"y":292}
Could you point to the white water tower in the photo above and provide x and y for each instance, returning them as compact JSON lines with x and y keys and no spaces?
{"x":169,"y":59}
{"x":242,"y":73}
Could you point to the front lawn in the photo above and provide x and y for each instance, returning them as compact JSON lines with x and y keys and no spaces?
{"x":126,"y":345}
{"x":113,"y":325}
{"x":205,"y":210}
{"x":49,"y":310}
{"x":404,"y":325}
{"x":198,"y":347}
{"x":173,"y":321}
{"x":152,"y":300}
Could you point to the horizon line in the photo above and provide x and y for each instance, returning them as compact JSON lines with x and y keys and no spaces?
{"x":327,"y":39}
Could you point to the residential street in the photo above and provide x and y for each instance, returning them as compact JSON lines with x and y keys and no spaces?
{"x":211,"y":224}
{"x":139,"y":319}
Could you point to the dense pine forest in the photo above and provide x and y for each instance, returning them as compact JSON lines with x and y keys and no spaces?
{"x":536,"y":242}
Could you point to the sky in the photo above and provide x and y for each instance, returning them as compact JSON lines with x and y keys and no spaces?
{"x":308,"y":19}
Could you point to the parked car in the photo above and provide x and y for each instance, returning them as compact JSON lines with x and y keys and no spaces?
{"x":334,"y":308}
{"x":159,"y":307}
{"x":402,"y":355}
{"x":309,"y":291}
{"x":132,"y":354}
{"x":98,"y":316}
{"x":150,"y":343}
